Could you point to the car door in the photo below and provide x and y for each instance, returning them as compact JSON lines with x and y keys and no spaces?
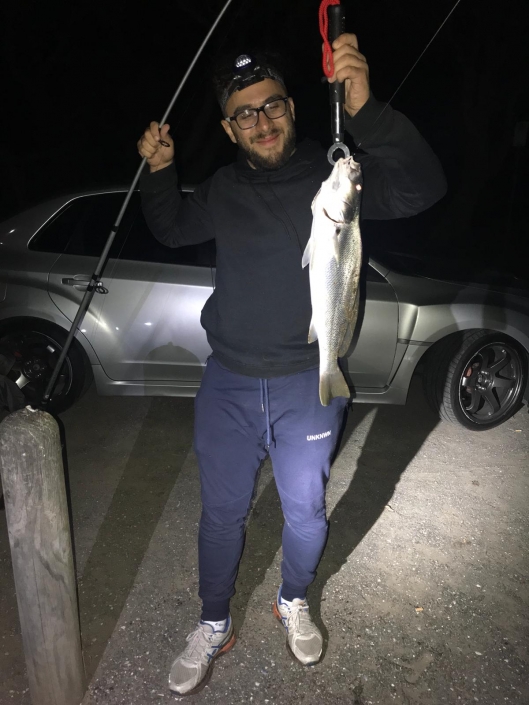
{"x":370,"y":359}
{"x":78,"y":233}
{"x":147,"y":327}
{"x":152,"y":311}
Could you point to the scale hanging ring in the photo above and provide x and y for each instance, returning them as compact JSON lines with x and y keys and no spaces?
{"x":336,"y":147}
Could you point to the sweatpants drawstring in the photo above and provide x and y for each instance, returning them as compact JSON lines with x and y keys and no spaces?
{"x":265,"y":407}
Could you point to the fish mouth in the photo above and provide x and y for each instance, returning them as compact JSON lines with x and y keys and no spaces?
{"x":350,"y":163}
{"x":351,"y":170}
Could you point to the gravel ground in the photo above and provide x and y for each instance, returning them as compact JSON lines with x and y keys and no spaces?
{"x":422,"y":594}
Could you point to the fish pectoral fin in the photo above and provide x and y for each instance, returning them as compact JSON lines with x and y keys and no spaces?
{"x":333,"y":384}
{"x":307,"y":254}
{"x":313,"y":335}
{"x":336,"y":245}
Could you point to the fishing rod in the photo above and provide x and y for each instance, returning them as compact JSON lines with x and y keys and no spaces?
{"x":409,"y":72}
{"x":95,"y":285}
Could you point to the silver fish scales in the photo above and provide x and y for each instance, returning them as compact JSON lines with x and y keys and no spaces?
{"x":334,"y":253}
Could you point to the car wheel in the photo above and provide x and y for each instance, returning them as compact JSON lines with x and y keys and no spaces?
{"x":476,"y":378}
{"x":36,"y":346}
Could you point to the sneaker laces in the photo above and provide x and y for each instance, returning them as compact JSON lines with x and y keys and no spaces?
{"x":199,"y":641}
{"x":299,"y":619}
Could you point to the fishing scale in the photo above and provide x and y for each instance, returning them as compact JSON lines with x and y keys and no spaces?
{"x":332,"y":25}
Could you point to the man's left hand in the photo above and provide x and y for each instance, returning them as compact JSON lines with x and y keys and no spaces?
{"x":351,"y":66}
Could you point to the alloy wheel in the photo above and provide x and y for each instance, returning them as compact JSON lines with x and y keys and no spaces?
{"x":490,"y":383}
{"x":36,"y":355}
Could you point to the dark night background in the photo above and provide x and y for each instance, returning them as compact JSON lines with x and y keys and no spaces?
{"x":82,"y":80}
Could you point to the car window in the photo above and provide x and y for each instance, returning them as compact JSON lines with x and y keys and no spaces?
{"x":82,"y":227}
{"x":141,"y":246}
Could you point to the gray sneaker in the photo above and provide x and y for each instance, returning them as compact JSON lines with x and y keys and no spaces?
{"x":191,"y":669}
{"x":304,"y":639}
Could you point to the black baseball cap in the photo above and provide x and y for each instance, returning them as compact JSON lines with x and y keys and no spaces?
{"x":245,"y":70}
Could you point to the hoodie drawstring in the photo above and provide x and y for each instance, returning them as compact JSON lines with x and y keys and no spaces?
{"x":265,"y":408}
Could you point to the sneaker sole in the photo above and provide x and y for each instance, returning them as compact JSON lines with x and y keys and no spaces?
{"x":202,"y":684}
{"x":277,"y":615}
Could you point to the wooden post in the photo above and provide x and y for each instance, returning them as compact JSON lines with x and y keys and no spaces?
{"x":41,"y":550}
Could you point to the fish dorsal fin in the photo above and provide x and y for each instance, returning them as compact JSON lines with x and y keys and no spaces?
{"x":308,"y":253}
{"x":312,"y":332}
{"x":314,"y":201}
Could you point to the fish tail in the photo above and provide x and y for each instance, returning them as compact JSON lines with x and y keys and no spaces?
{"x":332,"y":384}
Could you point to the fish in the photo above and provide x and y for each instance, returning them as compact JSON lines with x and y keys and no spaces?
{"x":334,"y":256}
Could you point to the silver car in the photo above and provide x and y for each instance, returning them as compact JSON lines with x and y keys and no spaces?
{"x":144,"y":336}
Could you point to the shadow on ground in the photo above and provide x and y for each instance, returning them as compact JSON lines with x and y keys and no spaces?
{"x":393,"y":440}
{"x":152,"y":469}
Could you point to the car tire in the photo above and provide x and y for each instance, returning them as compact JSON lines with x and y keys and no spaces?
{"x":36,"y":346}
{"x":476,"y":378}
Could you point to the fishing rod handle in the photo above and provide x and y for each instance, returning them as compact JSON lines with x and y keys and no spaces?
{"x":336,"y":27}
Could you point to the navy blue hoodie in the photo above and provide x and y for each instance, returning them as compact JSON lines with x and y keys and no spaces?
{"x":258,"y":317}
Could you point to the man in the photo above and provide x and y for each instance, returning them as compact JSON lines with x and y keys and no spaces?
{"x":259,"y":394}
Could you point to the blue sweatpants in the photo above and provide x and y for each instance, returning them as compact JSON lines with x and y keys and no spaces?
{"x":239,"y":420}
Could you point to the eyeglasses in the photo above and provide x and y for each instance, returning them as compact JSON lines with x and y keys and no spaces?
{"x":250,"y":117}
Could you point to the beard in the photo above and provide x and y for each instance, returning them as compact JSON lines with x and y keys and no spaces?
{"x":272,"y":161}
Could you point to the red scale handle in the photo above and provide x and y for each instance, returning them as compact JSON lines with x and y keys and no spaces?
{"x":329,"y":37}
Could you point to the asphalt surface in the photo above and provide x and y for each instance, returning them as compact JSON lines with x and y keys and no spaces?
{"x":422,"y":594}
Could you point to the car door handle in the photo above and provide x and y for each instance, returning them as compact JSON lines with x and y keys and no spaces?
{"x":80,"y":282}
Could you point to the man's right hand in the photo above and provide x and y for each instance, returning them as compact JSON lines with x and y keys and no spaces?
{"x":150,"y":147}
